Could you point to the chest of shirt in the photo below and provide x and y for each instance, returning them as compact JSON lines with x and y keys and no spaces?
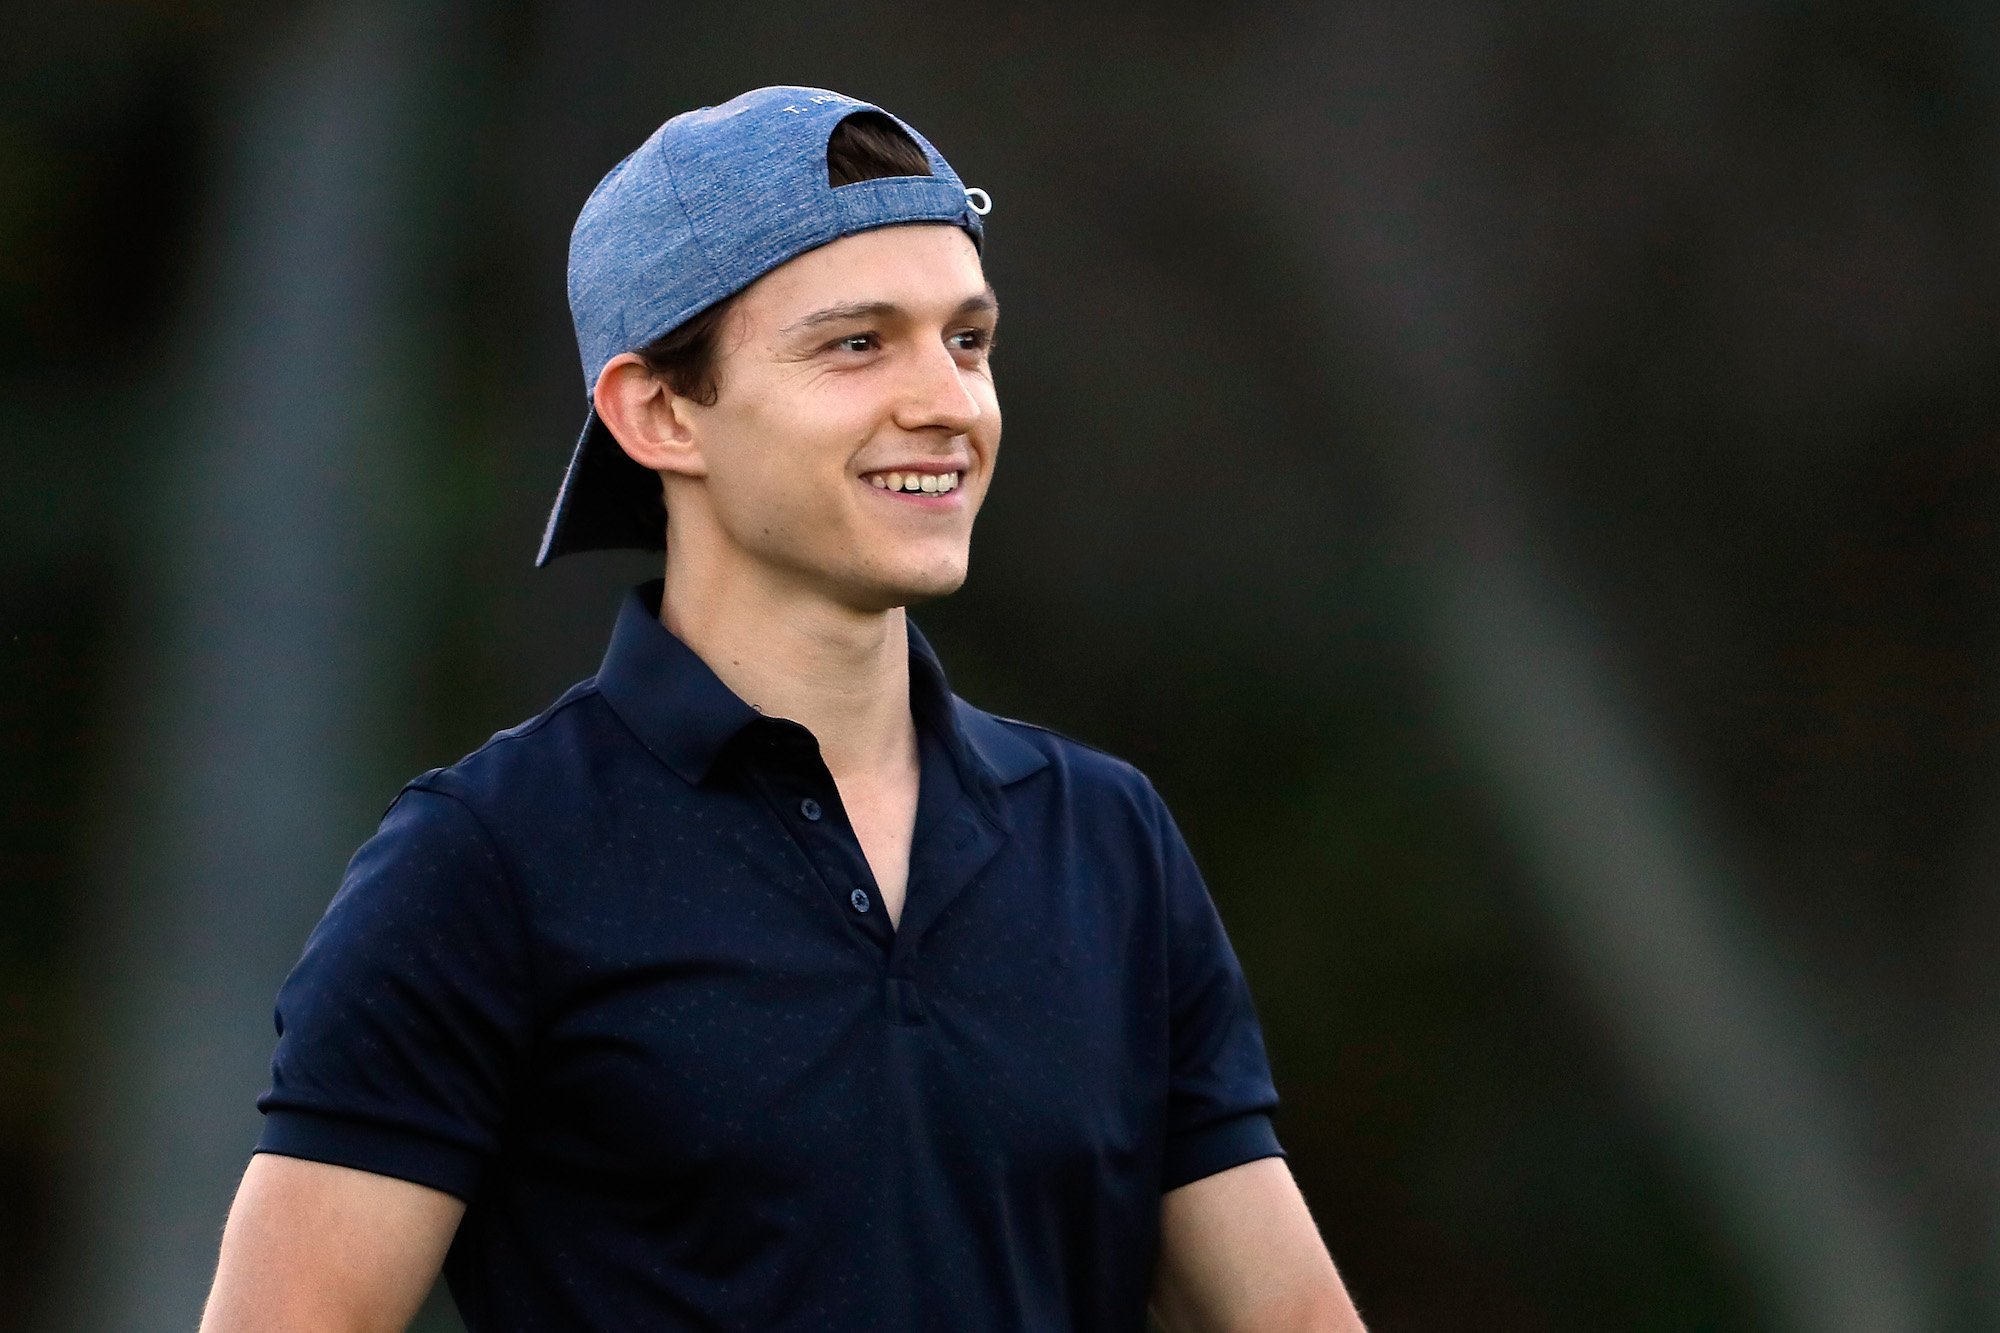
{"x":721,"y":995}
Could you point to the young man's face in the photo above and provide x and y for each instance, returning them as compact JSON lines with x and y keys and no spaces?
{"x":859,"y":363}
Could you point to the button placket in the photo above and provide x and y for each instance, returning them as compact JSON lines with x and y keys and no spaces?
{"x":821,"y":835}
{"x":793,"y":771}
{"x":842,"y":860}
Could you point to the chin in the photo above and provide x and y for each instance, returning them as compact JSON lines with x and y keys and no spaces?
{"x":932,"y":591}
{"x":914,"y":588}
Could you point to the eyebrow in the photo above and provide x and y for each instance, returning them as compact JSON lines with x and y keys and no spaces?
{"x":984,"y":303}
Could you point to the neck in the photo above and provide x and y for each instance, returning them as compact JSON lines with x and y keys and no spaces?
{"x":842,"y":674}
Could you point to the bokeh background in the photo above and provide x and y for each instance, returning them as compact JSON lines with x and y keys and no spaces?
{"x":1520,"y":477}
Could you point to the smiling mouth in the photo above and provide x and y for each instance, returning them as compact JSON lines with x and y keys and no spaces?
{"x":916,"y":483}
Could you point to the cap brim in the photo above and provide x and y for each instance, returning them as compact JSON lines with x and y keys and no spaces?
{"x":607,"y":501}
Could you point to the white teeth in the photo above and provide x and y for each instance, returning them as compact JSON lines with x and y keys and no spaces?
{"x":916,"y":483}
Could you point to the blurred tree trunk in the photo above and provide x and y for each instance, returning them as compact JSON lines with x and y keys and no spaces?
{"x":267,"y":636}
{"x":1658,"y":927}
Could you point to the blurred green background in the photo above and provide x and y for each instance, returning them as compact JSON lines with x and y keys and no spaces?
{"x":1521,"y":478}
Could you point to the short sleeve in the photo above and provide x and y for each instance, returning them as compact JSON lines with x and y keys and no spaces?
{"x":1220,"y":1096}
{"x":403,"y":1025}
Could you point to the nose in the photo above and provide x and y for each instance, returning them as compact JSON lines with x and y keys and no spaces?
{"x":936,"y":396}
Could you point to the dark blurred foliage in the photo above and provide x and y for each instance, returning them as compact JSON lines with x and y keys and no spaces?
{"x":1521,"y":480}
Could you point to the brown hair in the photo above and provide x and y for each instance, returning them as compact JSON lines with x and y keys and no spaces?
{"x":866,"y":146}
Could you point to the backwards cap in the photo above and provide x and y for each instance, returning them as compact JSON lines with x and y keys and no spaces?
{"x":715,"y":199}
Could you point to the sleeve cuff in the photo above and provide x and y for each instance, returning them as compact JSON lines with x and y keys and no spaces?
{"x":386,"y":1150}
{"x":1218,"y":1147}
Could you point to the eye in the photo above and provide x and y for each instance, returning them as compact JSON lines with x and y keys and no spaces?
{"x":973,"y":340}
{"x":855,"y":342}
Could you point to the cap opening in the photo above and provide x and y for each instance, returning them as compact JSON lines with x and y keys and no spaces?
{"x":870,"y":145}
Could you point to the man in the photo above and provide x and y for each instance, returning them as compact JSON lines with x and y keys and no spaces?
{"x":761,"y":983}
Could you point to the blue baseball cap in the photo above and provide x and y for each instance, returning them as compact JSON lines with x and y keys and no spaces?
{"x":715,"y":199}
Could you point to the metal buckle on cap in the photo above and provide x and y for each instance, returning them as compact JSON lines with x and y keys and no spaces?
{"x":981,"y":205}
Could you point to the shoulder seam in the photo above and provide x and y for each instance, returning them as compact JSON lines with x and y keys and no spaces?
{"x":1062,"y":736}
{"x":574,"y":695}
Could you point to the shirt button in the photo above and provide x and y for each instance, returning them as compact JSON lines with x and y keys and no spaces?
{"x":810,"y":809}
{"x":860,"y":899}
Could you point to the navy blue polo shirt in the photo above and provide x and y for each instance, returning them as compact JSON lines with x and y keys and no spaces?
{"x":620,"y":979}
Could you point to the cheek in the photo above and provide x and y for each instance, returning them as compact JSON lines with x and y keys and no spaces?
{"x":776,"y":473}
{"x":989,"y":414}
{"x":988,"y":438}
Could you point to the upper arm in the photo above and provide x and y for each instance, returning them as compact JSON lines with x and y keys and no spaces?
{"x":310,"y":1246}
{"x":1219,"y":1091}
{"x":1239,"y":1251}
{"x":405,"y":1026}
{"x":400,"y":1037}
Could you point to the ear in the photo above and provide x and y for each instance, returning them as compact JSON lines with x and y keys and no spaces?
{"x":652,"y":424}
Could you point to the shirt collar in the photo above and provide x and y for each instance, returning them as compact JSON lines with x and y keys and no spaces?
{"x":682,"y":712}
{"x":677,"y":707}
